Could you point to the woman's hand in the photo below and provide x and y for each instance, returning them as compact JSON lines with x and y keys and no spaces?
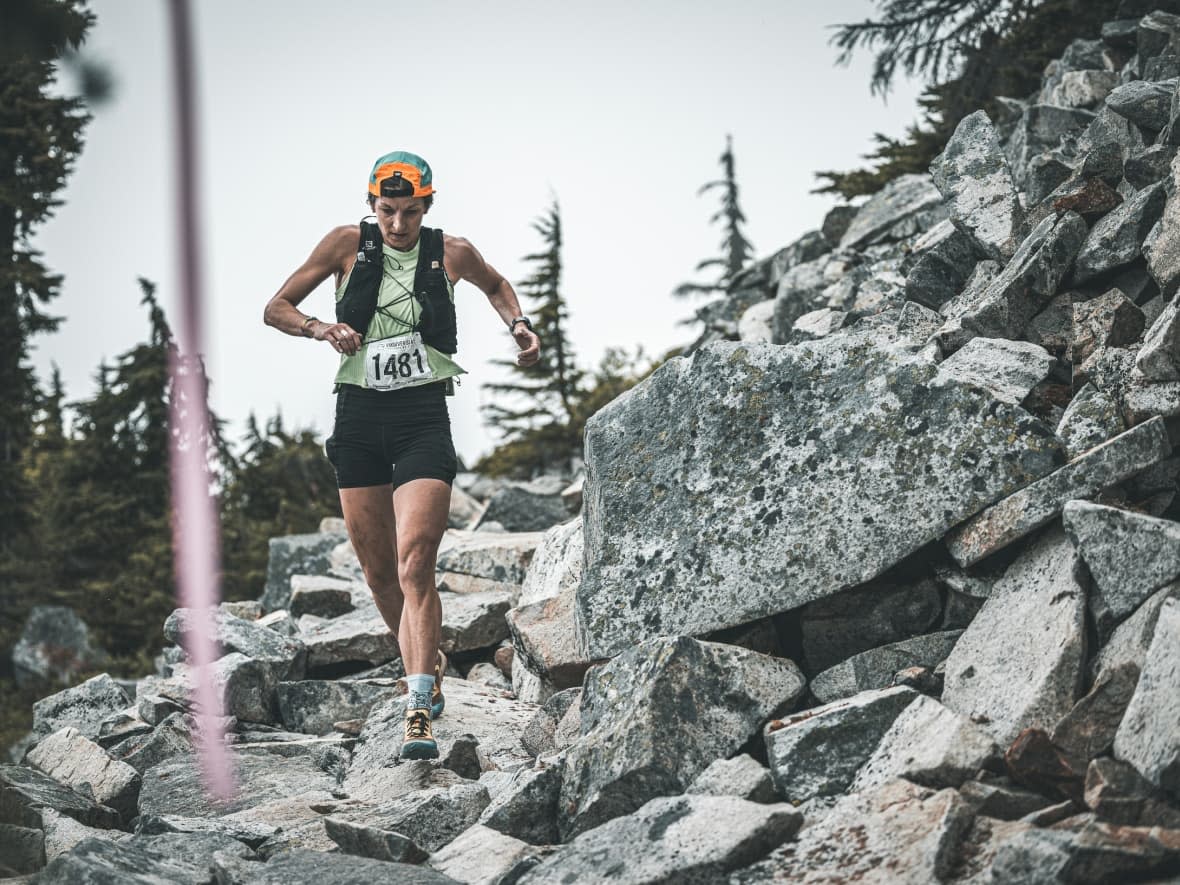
{"x":529,"y":344}
{"x":342,"y":337}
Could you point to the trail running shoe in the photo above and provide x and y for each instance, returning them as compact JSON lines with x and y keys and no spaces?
{"x":419,"y":742}
{"x":437,"y":702}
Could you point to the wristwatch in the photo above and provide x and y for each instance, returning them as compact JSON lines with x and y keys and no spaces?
{"x":525,"y":320}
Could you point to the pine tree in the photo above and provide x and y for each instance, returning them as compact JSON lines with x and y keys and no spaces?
{"x":543,"y":397}
{"x":736,"y":250}
{"x":40,"y":136}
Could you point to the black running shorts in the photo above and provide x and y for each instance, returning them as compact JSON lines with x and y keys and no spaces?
{"x":391,"y":436}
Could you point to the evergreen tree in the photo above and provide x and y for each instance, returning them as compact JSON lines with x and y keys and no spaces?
{"x":40,"y":136}
{"x":544,"y":396}
{"x":736,"y":250}
{"x":984,"y":48}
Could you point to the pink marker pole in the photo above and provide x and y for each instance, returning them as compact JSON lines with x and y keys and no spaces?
{"x":195,"y":539}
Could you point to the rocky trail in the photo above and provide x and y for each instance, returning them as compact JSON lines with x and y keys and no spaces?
{"x":880,"y":583}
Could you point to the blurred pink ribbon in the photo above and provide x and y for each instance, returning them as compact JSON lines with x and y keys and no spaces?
{"x":195,"y":539}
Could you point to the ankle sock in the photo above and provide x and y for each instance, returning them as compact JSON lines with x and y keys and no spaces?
{"x":421,"y":685}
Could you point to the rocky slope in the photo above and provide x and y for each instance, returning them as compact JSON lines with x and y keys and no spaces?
{"x":880,"y":584}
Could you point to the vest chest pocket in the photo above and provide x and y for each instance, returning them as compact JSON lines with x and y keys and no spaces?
{"x":396,"y":362}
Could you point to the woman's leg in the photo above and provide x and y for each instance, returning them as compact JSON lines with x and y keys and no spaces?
{"x":421,"y":507}
{"x":369,"y":517}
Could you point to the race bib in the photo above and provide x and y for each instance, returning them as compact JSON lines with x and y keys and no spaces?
{"x":396,"y":362}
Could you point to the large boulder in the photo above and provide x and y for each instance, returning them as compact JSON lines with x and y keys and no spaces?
{"x":528,"y":506}
{"x":83,"y":765}
{"x":296,"y":555}
{"x":703,"y":698}
{"x":284,"y":656}
{"x":83,"y":706}
{"x":905,"y":206}
{"x":498,"y":556}
{"x":54,"y":645}
{"x":703,"y":481}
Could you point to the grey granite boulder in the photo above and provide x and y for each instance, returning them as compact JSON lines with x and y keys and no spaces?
{"x":480,"y":854}
{"x":169,"y":739}
{"x":499,"y":556}
{"x":296,"y":555}
{"x":1129,"y":555}
{"x":1088,"y":729}
{"x":927,"y":744}
{"x":245,"y":687}
{"x":897,"y":834}
{"x":284,"y":656}
{"x":1110,"y":320}
{"x":939,"y":265}
{"x":742,"y":776}
{"x":556,"y":567}
{"x":816,"y":324}
{"x":876,"y":667}
{"x":321,"y":868}
{"x":885,"y":214}
{"x":672,"y":839}
{"x":411,"y":827}
{"x":1009,"y":370}
{"x":1163,"y":250}
{"x":539,"y":737}
{"x":756,"y":324}
{"x":1148,"y":737}
{"x":526,"y":808}
{"x":473,"y":621}
{"x":1094,"y":852}
{"x":1029,"y":280}
{"x":1129,"y":642}
{"x":1117,"y":238}
{"x":1091,"y":418}
{"x":546,"y":640}
{"x":1019,"y":664}
{"x":973,"y":176}
{"x":1159,"y":357}
{"x":711,"y":520}
{"x":83,"y":706}
{"x":1119,"y":794}
{"x":703,"y":698}
{"x":142,"y":860}
{"x":325,"y":602}
{"x":360,"y":636}
{"x":54,"y":645}
{"x":528,"y":507}
{"x":819,"y":752}
{"x":83,"y":765}
{"x":313,"y":706}
{"x":1033,"y":506}
{"x":28,"y":795}
{"x":1144,"y":103}
{"x":1040,"y":128}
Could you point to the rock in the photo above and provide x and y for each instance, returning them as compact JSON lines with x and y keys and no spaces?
{"x":1032,"y":677}
{"x":83,"y":706}
{"x":168,"y":739}
{"x":818,"y":752}
{"x":359,"y":636}
{"x":805,"y":412}
{"x":539,"y":735}
{"x":313,"y":706}
{"x":1002,"y":800}
{"x":897,"y":833}
{"x":503,"y":659}
{"x":973,"y":176}
{"x":1084,"y":89}
{"x":1149,"y":166}
{"x":546,"y":641}
{"x":673,"y":839}
{"x":283,"y":656}
{"x":1129,"y":642}
{"x":939,"y":265}
{"x":556,"y":565}
{"x":902,"y":200}
{"x":1114,"y":461}
{"x":250,"y":835}
{"x":54,"y":645}
{"x":304,"y":865}
{"x":1040,"y":128}
{"x":800,"y":290}
{"x":528,"y":506}
{"x":1088,"y":729}
{"x":526,"y":808}
{"x":1097,"y":853}
{"x":1119,"y":794}
{"x":245,"y":688}
{"x":742,"y":776}
{"x":176,"y":788}
{"x":82,"y":765}
{"x":410,"y":827}
{"x":928,"y":744}
{"x":141,"y":860}
{"x":755,"y":324}
{"x":1034,"y":761}
{"x":1163,"y":250}
{"x":527,"y":685}
{"x":24,"y":850}
{"x":489,"y":675}
{"x":1110,"y":320}
{"x":473,"y":620}
{"x":1091,"y":198}
{"x":917,"y":322}
{"x":1129,"y":555}
{"x":480,"y":854}
{"x":296,"y":555}
{"x":663,"y":693}
{"x":875,"y":668}
{"x":323,"y":602}
{"x":1116,"y":239}
{"x":816,"y":324}
{"x":1029,"y":280}
{"x":501,"y":557}
{"x":1009,"y":370}
{"x":497,"y":722}
{"x":1091,"y":418}
{"x":26,"y":795}
{"x":1159,"y":357}
{"x":464,"y":509}
{"x":1144,"y":103}
{"x":1148,"y":737}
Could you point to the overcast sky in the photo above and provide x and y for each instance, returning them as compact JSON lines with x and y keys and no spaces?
{"x":620,"y":109}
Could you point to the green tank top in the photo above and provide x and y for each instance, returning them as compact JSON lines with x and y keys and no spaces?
{"x":397,"y":313}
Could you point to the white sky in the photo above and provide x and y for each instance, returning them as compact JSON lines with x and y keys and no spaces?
{"x":619,"y":108}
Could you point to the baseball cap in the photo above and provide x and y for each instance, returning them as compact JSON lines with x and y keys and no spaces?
{"x":400,"y":174}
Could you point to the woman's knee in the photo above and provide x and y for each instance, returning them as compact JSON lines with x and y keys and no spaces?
{"x":415,"y":567}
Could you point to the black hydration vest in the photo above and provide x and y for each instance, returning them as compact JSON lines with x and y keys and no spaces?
{"x":436,"y":322}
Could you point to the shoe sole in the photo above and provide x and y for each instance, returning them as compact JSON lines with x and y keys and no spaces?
{"x":420,"y":750}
